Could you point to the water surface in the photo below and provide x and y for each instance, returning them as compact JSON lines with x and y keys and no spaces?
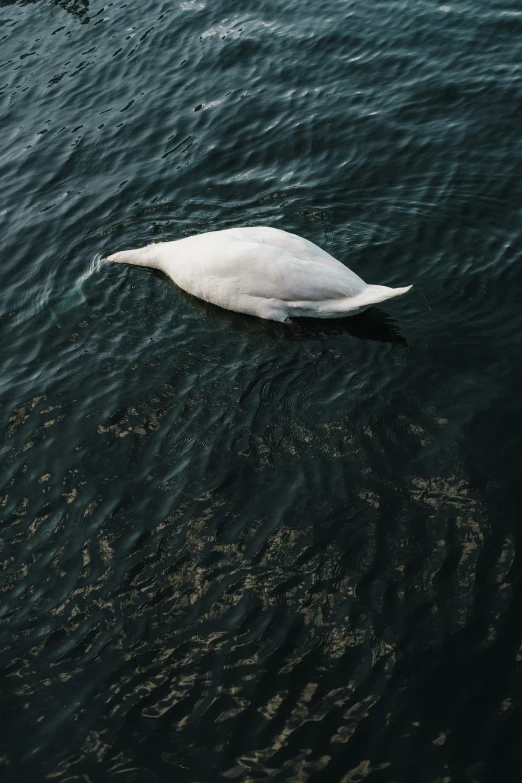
{"x":232,"y":550}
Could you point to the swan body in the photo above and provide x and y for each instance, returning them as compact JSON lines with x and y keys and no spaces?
{"x":261,"y":271}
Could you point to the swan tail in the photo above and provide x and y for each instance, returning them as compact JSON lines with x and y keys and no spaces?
{"x":140,"y":257}
{"x":373,"y":294}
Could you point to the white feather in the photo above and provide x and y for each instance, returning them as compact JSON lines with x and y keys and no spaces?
{"x":261,"y":271}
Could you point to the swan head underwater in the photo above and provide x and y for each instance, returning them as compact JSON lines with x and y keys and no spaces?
{"x":261,"y":271}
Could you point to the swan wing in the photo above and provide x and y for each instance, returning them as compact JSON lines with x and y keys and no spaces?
{"x":219,"y":270}
{"x":275,"y":237}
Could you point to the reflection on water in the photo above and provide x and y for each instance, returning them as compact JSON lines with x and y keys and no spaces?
{"x":373,"y":324}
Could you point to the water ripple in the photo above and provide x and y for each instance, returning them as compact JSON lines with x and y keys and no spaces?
{"x":230,"y":549}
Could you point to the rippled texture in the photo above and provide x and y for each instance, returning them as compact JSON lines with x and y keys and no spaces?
{"x":231,"y":550}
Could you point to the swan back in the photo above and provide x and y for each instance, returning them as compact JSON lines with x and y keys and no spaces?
{"x":262,"y":271}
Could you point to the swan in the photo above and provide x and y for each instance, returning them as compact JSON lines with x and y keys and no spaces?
{"x":261,"y":271}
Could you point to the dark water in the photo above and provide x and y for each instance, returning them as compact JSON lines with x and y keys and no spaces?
{"x":231,"y":550}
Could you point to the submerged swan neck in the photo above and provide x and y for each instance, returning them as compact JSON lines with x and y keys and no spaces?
{"x":143,"y":256}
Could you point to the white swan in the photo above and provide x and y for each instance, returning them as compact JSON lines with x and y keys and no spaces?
{"x":261,"y":271}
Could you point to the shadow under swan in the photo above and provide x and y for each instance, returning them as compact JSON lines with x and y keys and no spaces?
{"x":373,"y":324}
